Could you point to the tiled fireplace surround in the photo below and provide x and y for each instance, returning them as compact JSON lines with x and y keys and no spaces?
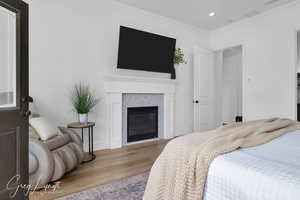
{"x":124,"y":88}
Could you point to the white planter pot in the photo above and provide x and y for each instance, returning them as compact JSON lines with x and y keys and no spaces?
{"x":83,"y":118}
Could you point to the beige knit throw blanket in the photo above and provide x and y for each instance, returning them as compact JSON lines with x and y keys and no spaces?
{"x":180,"y":171}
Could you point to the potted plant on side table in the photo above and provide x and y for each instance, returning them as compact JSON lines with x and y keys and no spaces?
{"x":83,"y":101}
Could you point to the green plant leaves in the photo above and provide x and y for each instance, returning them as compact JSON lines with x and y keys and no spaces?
{"x":179,"y":57}
{"x":82,"y":99}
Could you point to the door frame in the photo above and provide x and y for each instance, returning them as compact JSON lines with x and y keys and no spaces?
{"x":22,"y":74}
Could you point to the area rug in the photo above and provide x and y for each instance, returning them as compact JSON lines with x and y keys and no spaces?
{"x":131,"y":188}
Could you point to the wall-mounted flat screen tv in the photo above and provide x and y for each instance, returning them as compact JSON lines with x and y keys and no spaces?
{"x":140,"y":50}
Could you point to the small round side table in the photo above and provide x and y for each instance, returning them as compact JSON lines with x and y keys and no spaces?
{"x":90,"y":126}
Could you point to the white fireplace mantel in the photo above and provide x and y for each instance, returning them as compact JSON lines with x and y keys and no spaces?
{"x":116,"y":85}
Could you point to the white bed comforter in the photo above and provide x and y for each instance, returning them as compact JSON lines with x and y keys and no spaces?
{"x":259,"y":173}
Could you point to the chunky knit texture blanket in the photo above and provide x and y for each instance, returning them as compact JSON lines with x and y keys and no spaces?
{"x":180,"y":171}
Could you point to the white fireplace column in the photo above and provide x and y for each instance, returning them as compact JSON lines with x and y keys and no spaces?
{"x":115,"y":119}
{"x":169,"y":115}
{"x":115,"y":86}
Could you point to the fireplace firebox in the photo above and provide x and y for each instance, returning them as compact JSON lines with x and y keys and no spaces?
{"x":142,"y":123}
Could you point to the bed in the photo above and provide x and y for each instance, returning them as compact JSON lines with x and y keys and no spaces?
{"x":259,"y":173}
{"x":255,"y":160}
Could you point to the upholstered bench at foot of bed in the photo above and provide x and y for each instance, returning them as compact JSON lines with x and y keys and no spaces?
{"x":50,"y":160}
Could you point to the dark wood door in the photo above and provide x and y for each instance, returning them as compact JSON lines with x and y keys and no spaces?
{"x":13,"y":99}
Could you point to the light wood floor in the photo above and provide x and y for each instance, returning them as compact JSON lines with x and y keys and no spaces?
{"x":109,"y":166}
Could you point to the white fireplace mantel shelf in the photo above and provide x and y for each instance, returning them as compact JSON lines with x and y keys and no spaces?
{"x":116,"y":86}
{"x":134,"y":84}
{"x":138,"y":79}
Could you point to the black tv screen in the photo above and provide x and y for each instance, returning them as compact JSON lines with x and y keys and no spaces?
{"x":139,"y":50}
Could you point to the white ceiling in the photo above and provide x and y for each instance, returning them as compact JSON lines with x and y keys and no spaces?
{"x":196,"y":11}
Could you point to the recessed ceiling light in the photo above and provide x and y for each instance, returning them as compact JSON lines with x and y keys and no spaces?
{"x":211,"y":14}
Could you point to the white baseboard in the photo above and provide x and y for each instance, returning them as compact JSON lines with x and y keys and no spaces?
{"x":183,"y":132}
{"x":98,"y":145}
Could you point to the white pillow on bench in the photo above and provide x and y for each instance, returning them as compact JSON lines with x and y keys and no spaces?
{"x":44,"y":128}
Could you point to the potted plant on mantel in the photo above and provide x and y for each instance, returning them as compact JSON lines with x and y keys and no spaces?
{"x":179,"y":57}
{"x":83,"y":101}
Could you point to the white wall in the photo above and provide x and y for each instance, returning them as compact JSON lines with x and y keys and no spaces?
{"x":73,"y":40}
{"x":269,"y":59}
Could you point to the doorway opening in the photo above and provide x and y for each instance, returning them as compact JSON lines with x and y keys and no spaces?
{"x":229,"y":85}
